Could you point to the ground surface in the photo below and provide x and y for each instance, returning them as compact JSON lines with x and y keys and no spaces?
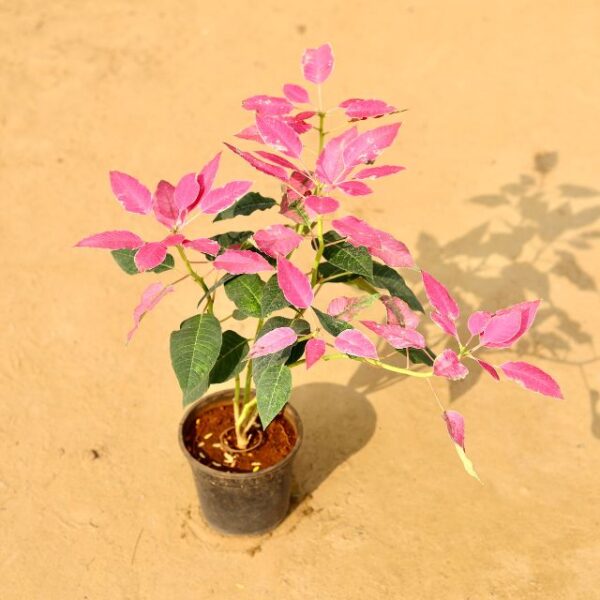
{"x":96,"y":501}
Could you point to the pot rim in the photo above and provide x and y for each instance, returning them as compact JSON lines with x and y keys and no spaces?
{"x":224,"y":397}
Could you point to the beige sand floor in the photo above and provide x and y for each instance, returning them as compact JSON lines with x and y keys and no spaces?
{"x":96,"y":501}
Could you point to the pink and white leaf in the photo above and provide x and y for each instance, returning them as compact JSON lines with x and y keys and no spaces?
{"x":277,"y":240}
{"x":443,"y":322}
{"x":315,"y":349}
{"x":358,"y":232}
{"x":399,"y":313}
{"x":397,"y":336}
{"x":260,"y":165}
{"x":221,"y":198}
{"x":150,"y":255}
{"x":279,"y":135}
{"x":338,"y":305}
{"x":207,"y":175}
{"x":331,"y":167}
{"x":134,"y":196}
{"x":391,"y":251}
{"x":532,"y":378}
{"x":317,"y":63}
{"x":276,"y":159}
{"x":321,"y":205}
{"x":239,"y":262}
{"x":295,"y":93}
{"x":151,"y":296}
{"x":173,"y":239}
{"x":355,"y":188}
{"x":204,"y":245}
{"x":111,"y":240}
{"x":377,"y":172}
{"x":366,"y":147}
{"x":186,"y":192}
{"x":456,"y":427}
{"x":273,"y":341}
{"x":250,"y":133}
{"x":501,"y":330}
{"x":478,"y":321}
{"x":268,"y":105}
{"x":355,"y":343}
{"x":294,"y":284}
{"x":357,"y":108}
{"x":439,"y":297}
{"x":448,"y":365}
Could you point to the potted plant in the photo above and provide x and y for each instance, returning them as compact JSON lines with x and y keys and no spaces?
{"x":241,"y":442}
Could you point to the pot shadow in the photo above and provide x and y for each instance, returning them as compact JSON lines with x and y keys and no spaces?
{"x":531,"y":244}
{"x":328,"y":412}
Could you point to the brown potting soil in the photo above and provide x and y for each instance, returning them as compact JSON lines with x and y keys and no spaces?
{"x":205,"y":442}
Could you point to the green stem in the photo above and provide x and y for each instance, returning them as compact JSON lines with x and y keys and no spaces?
{"x":378,"y":363}
{"x":197,"y":278}
{"x":319,"y":254}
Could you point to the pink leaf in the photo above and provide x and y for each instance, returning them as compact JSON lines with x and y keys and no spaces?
{"x":315,"y":348}
{"x":163,"y":204}
{"x":377,"y":172}
{"x":355,"y":188}
{"x":444,"y":322}
{"x":358,"y":232}
{"x":317,"y":63}
{"x":532,"y":378}
{"x":447,"y":365}
{"x":295,"y":93}
{"x":356,"y":108}
{"x":150,"y":255}
{"x":111,"y":240}
{"x":488,"y":368}
{"x":501,"y":330}
{"x":259,"y":164}
{"x":273,"y":341}
{"x":207,"y":175}
{"x":370,"y":144}
{"x":399,"y":313}
{"x":298,"y":124}
{"x":277,"y":240}
{"x":134,"y":196}
{"x":294,"y":284}
{"x":440,"y":298}
{"x":268,"y":105}
{"x":338,"y":305}
{"x":173,"y":239}
{"x":321,"y":205}
{"x":356,"y":343}
{"x":276,"y":159}
{"x":477,"y":322}
{"x":204,"y":245}
{"x":242,"y":261}
{"x":279,"y":135}
{"x":331,"y":167}
{"x":151,"y":296}
{"x":396,"y":336}
{"x":506,"y":326}
{"x":250,"y":133}
{"x":186,"y":191}
{"x":456,"y":427}
{"x":220,"y":198}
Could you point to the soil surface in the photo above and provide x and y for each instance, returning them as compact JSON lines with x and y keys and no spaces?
{"x":97,"y":501}
{"x":213,"y":442}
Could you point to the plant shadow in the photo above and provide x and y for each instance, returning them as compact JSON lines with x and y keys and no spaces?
{"x":328,"y":411}
{"x":532,"y":243}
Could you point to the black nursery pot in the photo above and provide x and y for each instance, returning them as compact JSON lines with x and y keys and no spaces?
{"x":241,"y":503}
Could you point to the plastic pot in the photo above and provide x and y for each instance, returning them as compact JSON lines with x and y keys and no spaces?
{"x":241,"y":503}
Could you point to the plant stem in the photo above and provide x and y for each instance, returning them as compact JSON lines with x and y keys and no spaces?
{"x":236,"y":411}
{"x":319,"y":254}
{"x":378,"y":363}
{"x":197,"y":278}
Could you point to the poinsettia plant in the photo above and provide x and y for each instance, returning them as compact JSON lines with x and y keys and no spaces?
{"x":261,"y":276}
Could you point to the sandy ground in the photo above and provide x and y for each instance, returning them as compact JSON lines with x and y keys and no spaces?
{"x":96,"y":501}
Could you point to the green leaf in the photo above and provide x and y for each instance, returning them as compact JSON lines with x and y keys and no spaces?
{"x":246,"y":292}
{"x":194,"y":351}
{"x":464,"y":459}
{"x":227,"y":277}
{"x":238,"y":315}
{"x":273,"y":390}
{"x":418,"y":356}
{"x":287,"y":355}
{"x":231,"y":358}
{"x":231,"y":238}
{"x":298,"y":207}
{"x":125,"y":259}
{"x":327,"y":270}
{"x":331,"y":324}
{"x":245,"y":206}
{"x":273,"y":298}
{"x":348,"y":257}
{"x":385,"y":277}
